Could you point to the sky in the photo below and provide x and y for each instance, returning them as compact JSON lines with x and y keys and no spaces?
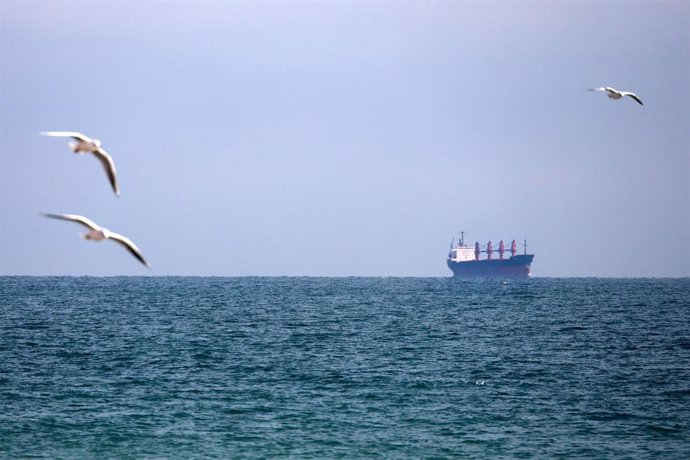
{"x":346,"y":138}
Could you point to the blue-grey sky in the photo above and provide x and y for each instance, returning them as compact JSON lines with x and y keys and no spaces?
{"x":346,"y":138}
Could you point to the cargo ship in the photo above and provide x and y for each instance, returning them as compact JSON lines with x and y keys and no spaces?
{"x":467,"y":262}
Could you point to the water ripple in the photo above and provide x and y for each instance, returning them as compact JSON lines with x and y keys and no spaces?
{"x":351,"y":367}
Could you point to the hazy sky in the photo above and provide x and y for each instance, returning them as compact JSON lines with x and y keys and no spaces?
{"x":346,"y":138}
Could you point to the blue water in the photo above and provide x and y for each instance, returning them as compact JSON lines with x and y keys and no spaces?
{"x":344,"y":368}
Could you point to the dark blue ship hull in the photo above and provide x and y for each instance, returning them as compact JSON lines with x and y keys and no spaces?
{"x":513,"y":267}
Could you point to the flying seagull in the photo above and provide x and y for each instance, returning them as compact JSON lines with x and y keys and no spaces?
{"x":615,"y":94}
{"x":98,"y":233}
{"x":85,"y":144}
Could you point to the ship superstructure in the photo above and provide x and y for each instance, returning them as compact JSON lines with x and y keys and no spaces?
{"x":467,"y":262}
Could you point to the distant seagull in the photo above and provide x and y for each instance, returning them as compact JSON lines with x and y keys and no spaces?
{"x":98,"y":233}
{"x":615,"y":94}
{"x":85,"y":144}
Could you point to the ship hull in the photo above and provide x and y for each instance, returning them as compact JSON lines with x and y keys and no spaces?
{"x":513,"y":267}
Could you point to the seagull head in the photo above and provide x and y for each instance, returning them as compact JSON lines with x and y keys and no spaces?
{"x":97,"y":143}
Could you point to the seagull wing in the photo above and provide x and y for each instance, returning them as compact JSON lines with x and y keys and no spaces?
{"x":597,"y":89}
{"x":75,"y":218}
{"x":632,"y":95}
{"x":131,"y":247}
{"x":73,"y":134}
{"x":107,"y":162}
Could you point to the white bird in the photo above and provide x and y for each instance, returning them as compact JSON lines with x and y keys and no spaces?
{"x":615,"y":94}
{"x":85,"y":144}
{"x":98,"y":233}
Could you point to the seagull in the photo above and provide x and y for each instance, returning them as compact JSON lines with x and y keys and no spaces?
{"x":85,"y":144}
{"x":615,"y":94}
{"x":98,"y":233}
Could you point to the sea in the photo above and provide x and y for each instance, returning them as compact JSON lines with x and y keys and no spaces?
{"x":262,"y":367}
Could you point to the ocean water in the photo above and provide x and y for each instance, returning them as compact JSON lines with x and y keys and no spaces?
{"x":344,"y":368}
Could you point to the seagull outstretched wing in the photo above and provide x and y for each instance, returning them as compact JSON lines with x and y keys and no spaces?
{"x":109,"y":166}
{"x":73,"y":134}
{"x":75,"y":218}
{"x":127,"y":244}
{"x":632,"y":95}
